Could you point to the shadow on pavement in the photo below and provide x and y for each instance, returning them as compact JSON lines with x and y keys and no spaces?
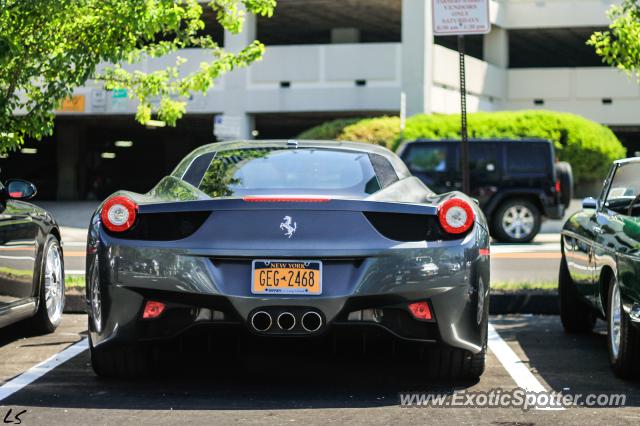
{"x":239,"y":385}
{"x":16,"y":331}
{"x":575,"y":364}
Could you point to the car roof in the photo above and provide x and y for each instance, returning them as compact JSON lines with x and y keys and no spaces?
{"x":627,"y":160}
{"x":290,"y":143}
{"x":502,"y":140}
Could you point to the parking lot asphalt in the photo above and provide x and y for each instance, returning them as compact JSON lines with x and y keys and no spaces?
{"x":325,"y":391}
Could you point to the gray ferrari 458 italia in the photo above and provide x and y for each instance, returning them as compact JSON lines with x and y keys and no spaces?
{"x":328,"y":244}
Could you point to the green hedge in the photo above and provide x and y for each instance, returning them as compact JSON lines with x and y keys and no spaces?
{"x":587,"y":145}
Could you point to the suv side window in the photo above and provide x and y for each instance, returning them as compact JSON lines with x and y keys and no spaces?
{"x":424,"y":158}
{"x":524,"y":157}
{"x":483,"y":157}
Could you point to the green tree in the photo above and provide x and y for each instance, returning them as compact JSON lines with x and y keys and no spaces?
{"x":50,"y":47}
{"x":619,"y":46}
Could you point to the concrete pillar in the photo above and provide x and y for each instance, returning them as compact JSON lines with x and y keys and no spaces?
{"x":496,"y":47}
{"x":67,"y":142}
{"x":236,"y":81}
{"x":417,"y":54}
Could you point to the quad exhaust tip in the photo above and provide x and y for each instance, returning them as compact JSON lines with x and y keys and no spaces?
{"x":261,"y":321}
{"x":311,"y":321}
{"x":286,"y":321}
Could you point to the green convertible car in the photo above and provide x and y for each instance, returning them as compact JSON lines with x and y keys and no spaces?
{"x":600,"y":266}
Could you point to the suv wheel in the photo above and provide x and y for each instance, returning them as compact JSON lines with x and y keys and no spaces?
{"x":516,"y":221}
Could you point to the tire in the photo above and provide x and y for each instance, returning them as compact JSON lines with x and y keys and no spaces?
{"x":625,"y":354}
{"x":126,"y":362}
{"x":576,"y":315}
{"x":526,"y":218}
{"x":564,"y":174}
{"x":50,"y":288}
{"x":453,"y":363}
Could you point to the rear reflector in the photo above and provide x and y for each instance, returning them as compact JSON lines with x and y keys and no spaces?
{"x":558,"y":187}
{"x":420,"y":311}
{"x":485,"y":252}
{"x":260,"y":199}
{"x":152,"y":310}
{"x":15,"y":194}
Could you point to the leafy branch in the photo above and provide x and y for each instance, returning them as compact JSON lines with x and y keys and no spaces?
{"x":50,"y":47}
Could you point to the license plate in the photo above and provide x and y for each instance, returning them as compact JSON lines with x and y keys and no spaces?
{"x":286,"y":277}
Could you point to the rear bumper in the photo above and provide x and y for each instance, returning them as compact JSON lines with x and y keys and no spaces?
{"x":454,"y":309}
{"x":206,"y":290}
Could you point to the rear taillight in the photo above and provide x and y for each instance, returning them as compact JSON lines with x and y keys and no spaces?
{"x":119,"y":213}
{"x":558,"y":187}
{"x":456,"y":216}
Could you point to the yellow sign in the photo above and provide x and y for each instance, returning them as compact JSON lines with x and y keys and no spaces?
{"x":73,"y":104}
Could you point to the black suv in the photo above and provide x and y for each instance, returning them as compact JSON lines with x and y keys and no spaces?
{"x":516,"y":182}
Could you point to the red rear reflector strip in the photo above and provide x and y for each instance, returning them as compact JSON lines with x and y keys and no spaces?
{"x":257,"y":199}
{"x":558,"y":187}
{"x":420,"y":311}
{"x":152,"y":310}
{"x":485,"y":252}
{"x":15,"y":194}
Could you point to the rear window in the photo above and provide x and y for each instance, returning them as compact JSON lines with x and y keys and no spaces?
{"x":523,"y":157}
{"x":289,"y":171}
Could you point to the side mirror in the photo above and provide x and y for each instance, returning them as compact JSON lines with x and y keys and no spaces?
{"x":19,"y":189}
{"x":589,"y":203}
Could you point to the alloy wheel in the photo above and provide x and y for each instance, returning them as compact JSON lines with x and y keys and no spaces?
{"x":96,"y":301}
{"x":518,"y":222}
{"x":615,"y":320}
{"x":54,"y":284}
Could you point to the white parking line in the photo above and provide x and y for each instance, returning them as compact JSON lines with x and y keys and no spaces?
{"x":510,"y":361}
{"x":516,"y":368}
{"x":39,"y":370}
{"x":74,"y":272}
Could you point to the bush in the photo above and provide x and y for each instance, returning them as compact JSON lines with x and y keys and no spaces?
{"x":587,"y":145}
{"x":329,"y":130}
{"x":380,"y":131}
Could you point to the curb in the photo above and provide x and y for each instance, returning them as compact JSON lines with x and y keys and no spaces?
{"x":501,"y":304}
{"x":524,"y":303}
{"x":75,"y":304}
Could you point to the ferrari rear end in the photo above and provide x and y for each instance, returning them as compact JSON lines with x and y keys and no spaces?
{"x":315,"y":243}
